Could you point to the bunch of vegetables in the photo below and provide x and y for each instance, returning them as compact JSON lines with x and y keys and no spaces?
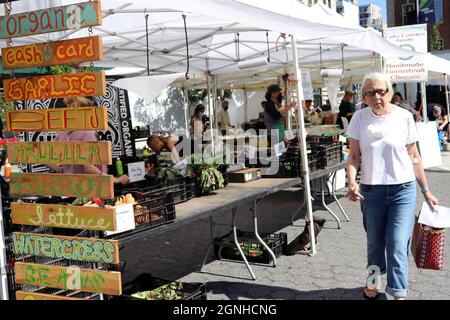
{"x":163,"y":176}
{"x":207,"y":173}
{"x":170,"y":291}
{"x":126,"y":199}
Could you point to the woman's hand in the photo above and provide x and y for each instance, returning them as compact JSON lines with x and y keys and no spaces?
{"x":353,"y":193}
{"x":122,"y":179}
{"x":431,"y":200}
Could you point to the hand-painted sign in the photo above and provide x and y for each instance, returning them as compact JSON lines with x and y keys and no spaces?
{"x":69,"y":248}
{"x":59,"y":86}
{"x":22,"y":295}
{"x":53,"y":53}
{"x":69,"y":278}
{"x":67,"y":119}
{"x":60,"y":152}
{"x":70,"y":185}
{"x":63,"y":216}
{"x":81,"y":15}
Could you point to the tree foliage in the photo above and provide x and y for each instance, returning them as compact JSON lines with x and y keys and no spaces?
{"x":436,"y":38}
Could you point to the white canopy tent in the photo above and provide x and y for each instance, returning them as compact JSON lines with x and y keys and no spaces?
{"x":212,"y":28}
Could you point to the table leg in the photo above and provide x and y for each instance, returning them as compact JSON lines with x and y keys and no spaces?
{"x":234,"y":210}
{"x":211,"y":227}
{"x":255,"y":223}
{"x":325,"y":205}
{"x":333,"y":190}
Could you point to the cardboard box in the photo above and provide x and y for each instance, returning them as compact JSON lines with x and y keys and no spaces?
{"x":245,"y":175}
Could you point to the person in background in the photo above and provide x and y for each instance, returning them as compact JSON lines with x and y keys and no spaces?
{"x":346,"y":108}
{"x":158,"y":144}
{"x":82,"y":136}
{"x":275,"y":111}
{"x":440,"y":115}
{"x":397,"y":99}
{"x":383,"y":142}
{"x":198,"y":122}
{"x":223,"y":117}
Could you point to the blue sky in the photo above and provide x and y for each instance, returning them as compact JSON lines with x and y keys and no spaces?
{"x":380,"y":3}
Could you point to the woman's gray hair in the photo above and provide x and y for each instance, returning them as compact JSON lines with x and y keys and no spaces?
{"x":377,"y":76}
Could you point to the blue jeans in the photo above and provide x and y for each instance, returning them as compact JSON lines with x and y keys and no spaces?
{"x":388,"y":218}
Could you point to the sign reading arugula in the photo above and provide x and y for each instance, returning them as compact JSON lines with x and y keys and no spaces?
{"x":64,"y":216}
{"x":55,"y":86}
{"x":22,"y":295}
{"x":70,"y":185}
{"x":69,"y":248}
{"x":62,"y":119}
{"x":81,"y":15}
{"x":69,"y":278}
{"x":60,"y":152}
{"x":53,"y":53}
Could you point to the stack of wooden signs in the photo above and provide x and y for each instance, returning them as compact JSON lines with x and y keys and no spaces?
{"x":71,"y":264}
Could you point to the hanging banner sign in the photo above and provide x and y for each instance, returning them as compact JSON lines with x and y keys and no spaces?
{"x":53,"y":53}
{"x":64,"y":216}
{"x":58,"y":86}
{"x":60,"y":152}
{"x":69,"y":185}
{"x":76,"y":16}
{"x":67,"y":119}
{"x":22,"y":295}
{"x":69,"y":278}
{"x":69,"y":248}
{"x":411,"y":68}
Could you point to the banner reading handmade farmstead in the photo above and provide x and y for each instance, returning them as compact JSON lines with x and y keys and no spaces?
{"x":53,"y":53}
{"x":411,"y":68}
{"x":56,"y":86}
{"x":81,"y":15}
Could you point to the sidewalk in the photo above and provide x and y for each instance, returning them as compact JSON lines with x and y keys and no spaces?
{"x":445,"y":163}
{"x":336,"y":272}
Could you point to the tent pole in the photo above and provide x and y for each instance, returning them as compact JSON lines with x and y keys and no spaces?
{"x":186,"y":111}
{"x":423,"y":89}
{"x":447,"y":102}
{"x":210,"y":107}
{"x":302,"y":137}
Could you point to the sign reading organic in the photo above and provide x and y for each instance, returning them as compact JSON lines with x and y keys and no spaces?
{"x":61,"y":119}
{"x":64,"y":216}
{"x":53,"y":53}
{"x":70,"y":185}
{"x":55,"y":86}
{"x":60,"y":152}
{"x":22,"y":295}
{"x":63,"y":18}
{"x":70,"y":248}
{"x":69,"y":278}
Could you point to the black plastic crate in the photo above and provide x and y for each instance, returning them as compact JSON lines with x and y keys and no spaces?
{"x":155,"y":210}
{"x":291,"y":167}
{"x":145,"y":282}
{"x":225,"y":248}
{"x":329,"y":154}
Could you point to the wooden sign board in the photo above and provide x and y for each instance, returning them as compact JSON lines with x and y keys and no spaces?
{"x":60,"y":152}
{"x":64,"y":216}
{"x":22,"y":295}
{"x":69,"y":278}
{"x":69,"y":248}
{"x":55,"y":86}
{"x":73,"y":51}
{"x":76,"y":16}
{"x":69,"y":185}
{"x":67,"y":119}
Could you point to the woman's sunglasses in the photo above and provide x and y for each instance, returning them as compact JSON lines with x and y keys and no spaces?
{"x":371,"y":93}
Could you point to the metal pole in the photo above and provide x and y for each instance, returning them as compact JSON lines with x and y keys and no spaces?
{"x":447,"y":102}
{"x":4,"y":293}
{"x":302,"y":137}
{"x":210,"y":106}
{"x":423,"y":89}
{"x":186,"y":111}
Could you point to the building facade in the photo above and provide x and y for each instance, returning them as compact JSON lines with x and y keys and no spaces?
{"x":329,"y":3}
{"x":349,"y":10}
{"x":405,"y":12}
{"x":370,"y":16}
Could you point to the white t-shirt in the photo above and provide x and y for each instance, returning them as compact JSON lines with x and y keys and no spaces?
{"x":382,"y":141}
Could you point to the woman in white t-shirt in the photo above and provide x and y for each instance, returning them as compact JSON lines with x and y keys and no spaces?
{"x":383,"y":140}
